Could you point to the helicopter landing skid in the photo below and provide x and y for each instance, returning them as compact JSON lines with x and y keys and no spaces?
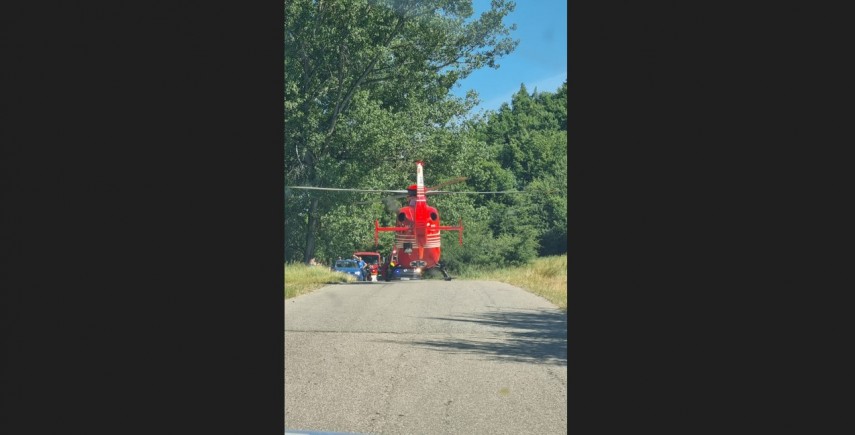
{"x":444,"y":273}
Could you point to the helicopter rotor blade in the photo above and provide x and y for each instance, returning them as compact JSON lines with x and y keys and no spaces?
{"x":440,"y":192}
{"x":446,"y":183}
{"x":346,"y":190}
{"x":392,"y":203}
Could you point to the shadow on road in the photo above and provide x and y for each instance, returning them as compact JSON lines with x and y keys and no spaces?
{"x":533,"y":336}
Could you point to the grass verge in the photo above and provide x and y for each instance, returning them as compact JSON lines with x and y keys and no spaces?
{"x":301,"y":279}
{"x":545,"y":276}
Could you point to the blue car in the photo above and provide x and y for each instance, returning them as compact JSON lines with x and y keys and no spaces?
{"x":349,"y":267}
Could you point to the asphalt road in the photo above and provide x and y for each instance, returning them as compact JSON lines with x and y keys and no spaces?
{"x":425,"y":357}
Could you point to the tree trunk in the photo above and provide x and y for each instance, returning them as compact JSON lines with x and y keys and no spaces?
{"x":312,"y":228}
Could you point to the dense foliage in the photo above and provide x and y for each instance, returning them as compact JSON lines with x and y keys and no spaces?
{"x":367,"y":94}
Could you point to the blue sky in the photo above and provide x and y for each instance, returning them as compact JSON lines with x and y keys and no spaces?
{"x":540,"y":59}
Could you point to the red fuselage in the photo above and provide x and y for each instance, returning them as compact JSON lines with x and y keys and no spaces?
{"x":419,"y":244}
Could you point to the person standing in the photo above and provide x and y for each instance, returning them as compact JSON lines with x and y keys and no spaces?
{"x":362,"y":266}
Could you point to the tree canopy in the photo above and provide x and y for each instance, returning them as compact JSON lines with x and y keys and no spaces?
{"x":367,"y":94}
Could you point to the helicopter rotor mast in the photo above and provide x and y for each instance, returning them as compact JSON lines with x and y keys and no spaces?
{"x":420,"y":210}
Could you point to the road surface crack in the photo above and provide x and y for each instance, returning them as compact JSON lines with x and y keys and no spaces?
{"x":389,"y":390}
{"x":446,"y":420}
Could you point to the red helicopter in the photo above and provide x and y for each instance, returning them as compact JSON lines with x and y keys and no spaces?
{"x":417,"y":228}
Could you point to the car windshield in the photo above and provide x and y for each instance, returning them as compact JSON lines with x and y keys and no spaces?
{"x":370,"y":259}
{"x":345,"y":263}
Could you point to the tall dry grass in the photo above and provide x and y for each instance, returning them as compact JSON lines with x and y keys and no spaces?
{"x":301,"y":279}
{"x":545,"y":276}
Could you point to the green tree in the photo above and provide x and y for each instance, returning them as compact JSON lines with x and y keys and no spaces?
{"x":529,"y":140}
{"x":367,"y":66}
